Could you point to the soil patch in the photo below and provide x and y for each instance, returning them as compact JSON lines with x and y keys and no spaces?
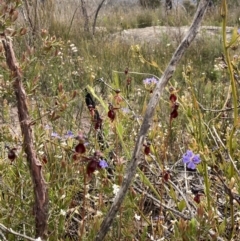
{"x":156,"y":34}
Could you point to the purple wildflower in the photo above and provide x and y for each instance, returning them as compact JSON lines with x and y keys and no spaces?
{"x":191,"y":159}
{"x":126,"y":110}
{"x":238,"y":31}
{"x":103,"y":163}
{"x":149,"y":81}
{"x":55,"y":135}
{"x":69,"y":134}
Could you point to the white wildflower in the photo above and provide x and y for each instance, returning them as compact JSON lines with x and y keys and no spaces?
{"x":115,"y":189}
{"x":63,"y":196}
{"x":62,"y":212}
{"x":137,"y":217}
{"x":58,"y":156}
{"x":40,"y":152}
{"x":74,"y":49}
{"x":87,"y":196}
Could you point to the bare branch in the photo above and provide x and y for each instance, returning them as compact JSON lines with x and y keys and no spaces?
{"x":159,"y":204}
{"x":9,"y":230}
{"x":131,"y":169}
{"x":35,"y":167}
{"x":96,"y":15}
{"x":85,"y":16}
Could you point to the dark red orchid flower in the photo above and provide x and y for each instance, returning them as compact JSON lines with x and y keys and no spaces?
{"x":173,"y":98}
{"x":111,"y":115}
{"x":126,"y":71}
{"x":197,"y":197}
{"x":44,"y":159}
{"x":174,"y":113}
{"x":129,"y":81}
{"x":174,"y":104}
{"x":92,"y":166}
{"x":80,"y":148}
{"x":147,"y":148}
{"x":166,"y":176}
{"x":111,"y":112}
{"x":11,"y":153}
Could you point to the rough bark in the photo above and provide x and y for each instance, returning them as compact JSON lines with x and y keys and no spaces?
{"x":96,"y":15}
{"x":32,"y":18}
{"x":85,"y":16}
{"x":39,"y":185}
{"x":131,"y":169}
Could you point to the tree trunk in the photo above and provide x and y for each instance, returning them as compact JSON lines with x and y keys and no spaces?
{"x":35,"y":167}
{"x":85,"y":16}
{"x":96,"y":15}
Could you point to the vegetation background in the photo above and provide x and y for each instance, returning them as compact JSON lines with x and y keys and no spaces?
{"x":68,"y":49}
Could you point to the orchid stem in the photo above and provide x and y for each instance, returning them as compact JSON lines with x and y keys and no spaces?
{"x":234,"y":99}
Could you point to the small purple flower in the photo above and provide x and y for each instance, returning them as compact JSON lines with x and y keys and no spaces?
{"x":126,"y":110}
{"x":55,"y":135}
{"x":69,"y":134}
{"x":191,"y":159}
{"x":103,"y":163}
{"x":238,"y":31}
{"x":149,"y":81}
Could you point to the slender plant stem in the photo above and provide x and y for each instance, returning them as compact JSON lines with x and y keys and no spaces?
{"x":199,"y":131}
{"x":232,"y":80}
{"x":84,"y":206}
{"x":224,"y":11}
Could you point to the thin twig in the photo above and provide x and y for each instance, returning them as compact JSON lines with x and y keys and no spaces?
{"x":214,"y":110}
{"x":228,"y":191}
{"x":158,"y":204}
{"x":184,"y":198}
{"x":138,"y":73}
{"x":224,"y":147}
{"x":2,"y":236}
{"x":9,"y":230}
